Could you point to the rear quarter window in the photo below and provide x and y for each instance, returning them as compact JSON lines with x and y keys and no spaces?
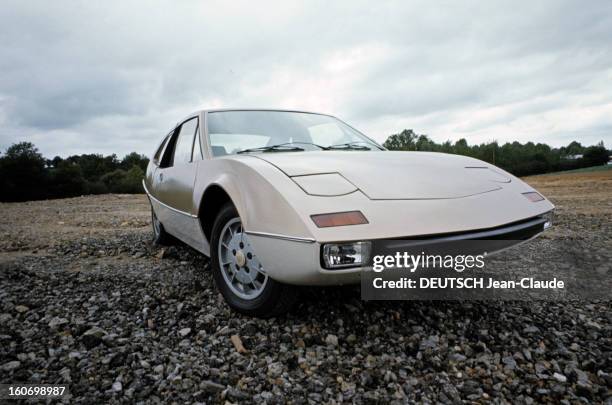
{"x":183,"y":148}
{"x":158,"y":153}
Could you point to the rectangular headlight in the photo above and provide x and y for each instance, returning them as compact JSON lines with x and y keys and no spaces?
{"x":549,"y":219}
{"x":349,"y":254}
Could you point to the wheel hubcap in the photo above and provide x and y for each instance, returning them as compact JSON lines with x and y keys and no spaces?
{"x":240,"y":258}
{"x":241,"y":269}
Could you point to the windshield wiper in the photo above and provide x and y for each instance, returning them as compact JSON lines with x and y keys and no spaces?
{"x":306,"y":143}
{"x":348,"y":146}
{"x":285,"y":147}
{"x":273,"y":148}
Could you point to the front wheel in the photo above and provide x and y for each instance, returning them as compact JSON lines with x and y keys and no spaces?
{"x":238,"y":273}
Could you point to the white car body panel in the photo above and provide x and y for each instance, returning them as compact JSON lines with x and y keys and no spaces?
{"x":402,"y":195}
{"x":395,"y":175}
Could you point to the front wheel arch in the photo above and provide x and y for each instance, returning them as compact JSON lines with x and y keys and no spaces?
{"x":211,"y":203}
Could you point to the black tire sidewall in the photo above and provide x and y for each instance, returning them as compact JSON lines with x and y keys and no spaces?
{"x":264,"y":303}
{"x":162,"y":237}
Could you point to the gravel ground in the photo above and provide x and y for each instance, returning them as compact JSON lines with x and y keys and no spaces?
{"x":87,"y":300}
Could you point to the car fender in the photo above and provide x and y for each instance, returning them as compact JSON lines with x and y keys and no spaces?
{"x":258,"y":191}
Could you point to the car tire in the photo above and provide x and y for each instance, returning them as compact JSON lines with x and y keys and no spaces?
{"x":160,"y":236}
{"x":271,"y":299}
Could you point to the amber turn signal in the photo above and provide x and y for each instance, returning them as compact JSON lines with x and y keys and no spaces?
{"x":339,"y":219}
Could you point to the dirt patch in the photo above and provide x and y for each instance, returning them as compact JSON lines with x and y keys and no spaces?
{"x":583,"y":203}
{"x":36,"y":225}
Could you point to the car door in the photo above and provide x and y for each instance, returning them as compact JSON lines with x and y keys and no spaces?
{"x":174,"y":181}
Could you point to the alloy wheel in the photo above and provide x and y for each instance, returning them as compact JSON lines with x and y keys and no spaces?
{"x":240,"y":267}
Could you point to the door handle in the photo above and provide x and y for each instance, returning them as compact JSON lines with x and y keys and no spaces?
{"x":161,"y":177}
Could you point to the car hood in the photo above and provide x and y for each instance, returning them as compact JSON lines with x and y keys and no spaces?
{"x":388,"y":175}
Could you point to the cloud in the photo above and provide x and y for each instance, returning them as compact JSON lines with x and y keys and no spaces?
{"x":83,"y":77}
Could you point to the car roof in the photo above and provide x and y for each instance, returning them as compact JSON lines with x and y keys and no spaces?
{"x":261,"y":109}
{"x":207,"y":110}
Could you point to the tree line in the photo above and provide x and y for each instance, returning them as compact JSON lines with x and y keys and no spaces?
{"x":26,"y":175}
{"x":519,"y":159}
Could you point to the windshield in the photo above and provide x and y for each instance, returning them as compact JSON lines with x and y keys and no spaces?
{"x":234,"y":132}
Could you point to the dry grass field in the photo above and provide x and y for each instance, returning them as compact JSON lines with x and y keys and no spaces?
{"x":588,"y":193}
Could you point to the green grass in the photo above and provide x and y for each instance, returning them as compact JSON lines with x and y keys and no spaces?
{"x":600,"y":168}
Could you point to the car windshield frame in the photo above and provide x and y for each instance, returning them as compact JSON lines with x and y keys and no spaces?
{"x":265,"y":129}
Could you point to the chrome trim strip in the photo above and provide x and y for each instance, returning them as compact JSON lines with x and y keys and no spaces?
{"x":283,"y":237}
{"x":165,"y":205}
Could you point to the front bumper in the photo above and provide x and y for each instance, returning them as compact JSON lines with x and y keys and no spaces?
{"x":299,"y":262}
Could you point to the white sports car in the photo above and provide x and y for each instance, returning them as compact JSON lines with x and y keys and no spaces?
{"x":282,"y":198}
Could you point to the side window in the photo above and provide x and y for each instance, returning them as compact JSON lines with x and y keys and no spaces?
{"x":184,"y":142}
{"x":197,"y":147}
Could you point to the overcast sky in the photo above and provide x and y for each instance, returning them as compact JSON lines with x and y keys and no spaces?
{"x":113,"y":77}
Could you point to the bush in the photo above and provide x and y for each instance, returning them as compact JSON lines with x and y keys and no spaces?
{"x":67,"y":180}
{"x":596,"y":156}
{"x":22,"y":173}
{"x":518,"y":159}
{"x":120,"y":181}
{"x":96,"y":187}
{"x":132,"y":183}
